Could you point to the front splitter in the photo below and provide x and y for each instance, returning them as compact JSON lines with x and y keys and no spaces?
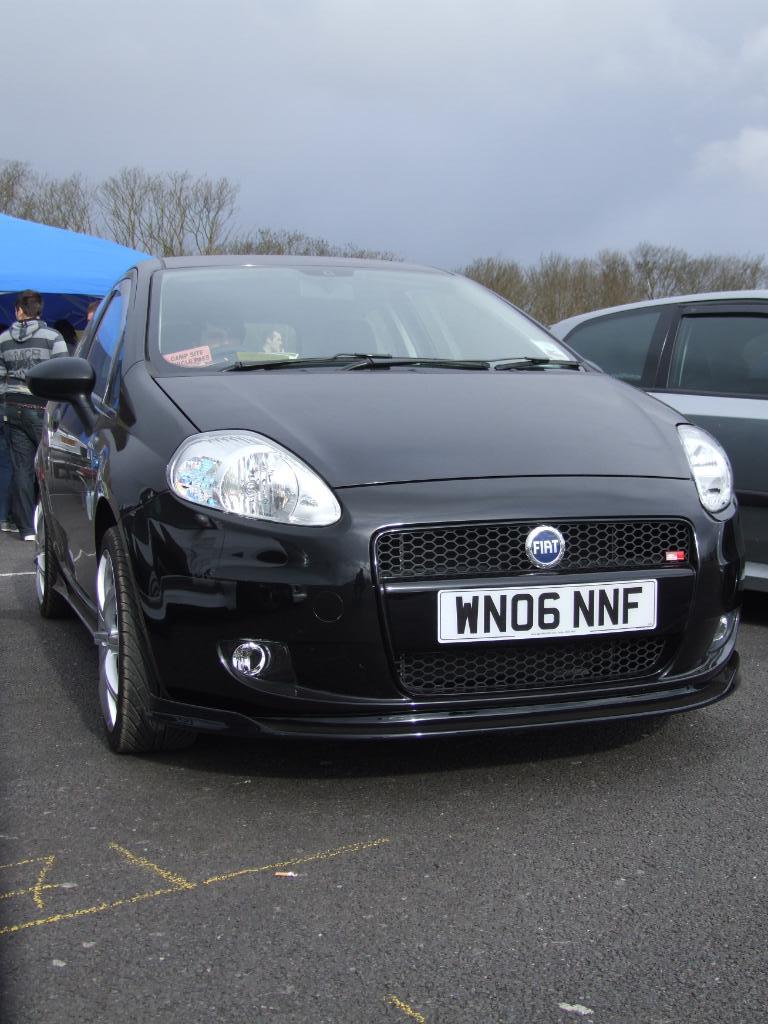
{"x":454,"y":722}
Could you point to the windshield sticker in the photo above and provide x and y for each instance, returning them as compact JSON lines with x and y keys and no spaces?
{"x":550,"y":350}
{"x":200,"y":356}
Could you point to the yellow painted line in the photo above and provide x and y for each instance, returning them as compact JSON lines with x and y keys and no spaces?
{"x":27,"y":892}
{"x":22,"y":863}
{"x":179,"y":884}
{"x":37,"y":889}
{"x":407,"y":1010}
{"x":142,"y":862}
{"x":325,"y":855}
{"x":84,"y":911}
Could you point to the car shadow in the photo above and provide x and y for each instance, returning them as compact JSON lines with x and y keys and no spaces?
{"x":318,"y":759}
{"x":754,"y":609}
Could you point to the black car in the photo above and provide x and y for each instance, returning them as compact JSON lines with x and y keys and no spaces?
{"x":336,"y":498}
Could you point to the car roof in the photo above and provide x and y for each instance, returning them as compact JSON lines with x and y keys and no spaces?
{"x":563,"y":327}
{"x":183,"y":262}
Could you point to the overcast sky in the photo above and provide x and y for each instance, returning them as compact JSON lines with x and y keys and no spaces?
{"x":443,"y":130}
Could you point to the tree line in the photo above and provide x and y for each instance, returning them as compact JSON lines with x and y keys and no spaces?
{"x":560,"y":286}
{"x":176,"y":213}
{"x":170,"y":214}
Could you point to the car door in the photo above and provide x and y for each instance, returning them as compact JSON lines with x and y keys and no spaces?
{"x":714,"y":370}
{"x":76,"y":453}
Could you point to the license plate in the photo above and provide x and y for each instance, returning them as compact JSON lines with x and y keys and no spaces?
{"x":517,"y":613}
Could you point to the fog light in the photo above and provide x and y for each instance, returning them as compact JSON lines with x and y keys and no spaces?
{"x":250,"y":659}
{"x":256,"y":661}
{"x":726,"y":624}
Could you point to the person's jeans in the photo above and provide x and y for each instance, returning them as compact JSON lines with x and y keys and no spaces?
{"x":25,"y":428}
{"x":6,"y":474}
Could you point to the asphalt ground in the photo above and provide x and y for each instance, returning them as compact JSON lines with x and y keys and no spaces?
{"x":613,"y":874}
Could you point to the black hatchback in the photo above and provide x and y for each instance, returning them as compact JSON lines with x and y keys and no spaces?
{"x":357,"y":499}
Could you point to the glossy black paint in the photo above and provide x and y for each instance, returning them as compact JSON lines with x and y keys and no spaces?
{"x":63,"y":379}
{"x":398,"y":447}
{"x":391,"y":426}
{"x":235,"y":590}
{"x":66,"y":380}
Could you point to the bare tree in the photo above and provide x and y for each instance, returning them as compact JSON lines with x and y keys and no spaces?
{"x":18,"y":185}
{"x":505,"y":277}
{"x":65,"y":203}
{"x":171,"y":214}
{"x":556,"y":284}
{"x":720,"y":273}
{"x":124,"y":201}
{"x":663,"y":270}
{"x":212,"y":207}
{"x":615,"y":280}
{"x":658,"y":269}
{"x":167,"y":232}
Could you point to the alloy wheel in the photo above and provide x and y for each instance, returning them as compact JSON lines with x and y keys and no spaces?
{"x":107,"y":639}
{"x":40,"y":567}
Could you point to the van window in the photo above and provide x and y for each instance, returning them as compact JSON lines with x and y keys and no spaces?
{"x":725,"y":354}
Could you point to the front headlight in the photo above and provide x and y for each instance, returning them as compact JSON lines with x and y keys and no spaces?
{"x":710,"y":467}
{"x":248,"y":475}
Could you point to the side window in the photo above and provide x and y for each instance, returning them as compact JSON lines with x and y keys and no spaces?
{"x":725,"y":354}
{"x":107,"y":341}
{"x":115,"y":378}
{"x":618,"y":344}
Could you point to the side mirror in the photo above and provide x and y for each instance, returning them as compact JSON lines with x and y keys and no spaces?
{"x":65,"y":379}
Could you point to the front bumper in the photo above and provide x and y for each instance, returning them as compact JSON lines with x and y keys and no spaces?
{"x":460,"y":722}
{"x":205,"y":582}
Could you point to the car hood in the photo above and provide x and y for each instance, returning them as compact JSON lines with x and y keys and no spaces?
{"x":391,"y":426}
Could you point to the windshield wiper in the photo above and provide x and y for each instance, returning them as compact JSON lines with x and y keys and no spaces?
{"x":384,"y":361}
{"x":375,"y":361}
{"x":536,"y":363}
{"x":359,"y":361}
{"x":283,"y":364}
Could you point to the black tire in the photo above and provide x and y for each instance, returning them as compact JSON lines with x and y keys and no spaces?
{"x":50,"y":603}
{"x":126,"y":672}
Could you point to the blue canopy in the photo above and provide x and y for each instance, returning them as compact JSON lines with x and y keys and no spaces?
{"x":67,"y":268}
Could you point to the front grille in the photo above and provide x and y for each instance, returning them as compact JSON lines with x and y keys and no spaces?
{"x":498,"y":549}
{"x":519,"y":669}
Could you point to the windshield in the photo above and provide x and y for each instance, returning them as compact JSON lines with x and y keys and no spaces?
{"x":212,"y":317}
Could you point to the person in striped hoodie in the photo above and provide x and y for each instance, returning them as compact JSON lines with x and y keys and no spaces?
{"x":27,"y":342}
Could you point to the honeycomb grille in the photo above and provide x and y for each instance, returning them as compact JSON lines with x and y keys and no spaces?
{"x":533,"y":667}
{"x":498,"y":549}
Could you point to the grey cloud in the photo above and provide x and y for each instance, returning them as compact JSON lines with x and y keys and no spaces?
{"x":441,"y":129}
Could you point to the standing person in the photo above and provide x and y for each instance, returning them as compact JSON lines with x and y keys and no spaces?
{"x":6,"y":479}
{"x":6,"y":472}
{"x":26,"y":343}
